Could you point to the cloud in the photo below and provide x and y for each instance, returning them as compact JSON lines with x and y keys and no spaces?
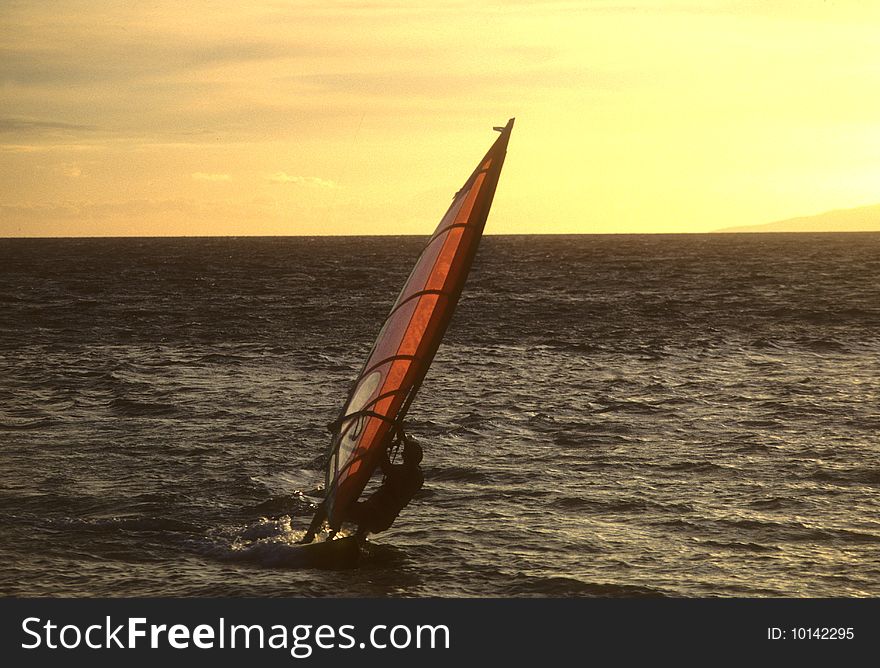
{"x":203,"y":176}
{"x":283,"y":177}
{"x":47,"y":148}
{"x":81,"y":210}
{"x":140,"y":217}
{"x":10,"y":125}
{"x":71,"y":170}
{"x":110,"y":58}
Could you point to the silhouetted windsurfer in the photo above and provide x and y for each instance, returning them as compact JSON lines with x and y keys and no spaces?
{"x":380,"y":396}
{"x":378,"y":512}
{"x":399,"y":486}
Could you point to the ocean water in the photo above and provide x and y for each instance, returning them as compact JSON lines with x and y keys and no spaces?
{"x":691,"y":415}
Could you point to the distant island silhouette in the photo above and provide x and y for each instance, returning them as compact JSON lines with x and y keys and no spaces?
{"x":860,"y":219}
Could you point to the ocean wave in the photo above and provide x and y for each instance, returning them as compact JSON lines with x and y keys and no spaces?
{"x":863,"y":476}
{"x":135,"y":408}
{"x":286,"y":504}
{"x":24,"y":424}
{"x":738,"y":546}
{"x":696,"y":467}
{"x":138,"y":524}
{"x":561,"y":586}
{"x":771,"y":503}
{"x":458,"y":474}
{"x":221,"y":358}
{"x":600,"y":505}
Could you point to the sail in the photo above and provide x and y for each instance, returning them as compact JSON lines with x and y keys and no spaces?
{"x":409,"y":338}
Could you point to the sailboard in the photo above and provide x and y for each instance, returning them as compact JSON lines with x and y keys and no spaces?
{"x":382,"y":392}
{"x":339,"y":554}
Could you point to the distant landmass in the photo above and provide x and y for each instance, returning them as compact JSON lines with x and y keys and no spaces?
{"x":861,"y":219}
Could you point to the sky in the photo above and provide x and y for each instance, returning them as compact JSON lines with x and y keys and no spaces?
{"x":126,"y":118}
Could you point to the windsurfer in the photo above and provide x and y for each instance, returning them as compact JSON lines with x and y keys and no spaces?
{"x":377,"y":513}
{"x":399,"y":486}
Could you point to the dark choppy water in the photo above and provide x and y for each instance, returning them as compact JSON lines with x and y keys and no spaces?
{"x":610,"y":415}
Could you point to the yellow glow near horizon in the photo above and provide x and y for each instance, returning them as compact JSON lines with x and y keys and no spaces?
{"x":364,"y":118}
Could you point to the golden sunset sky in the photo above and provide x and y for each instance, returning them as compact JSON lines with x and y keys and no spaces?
{"x":272,"y":117}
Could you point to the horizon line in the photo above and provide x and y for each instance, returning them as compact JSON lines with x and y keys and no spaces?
{"x":378,"y":236}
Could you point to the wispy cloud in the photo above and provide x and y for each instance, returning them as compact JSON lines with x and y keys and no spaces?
{"x":137,"y":217}
{"x":99,"y":60}
{"x":204,"y":176}
{"x":70,"y":170}
{"x":36,"y":126}
{"x":284,"y":177}
{"x":48,"y":148}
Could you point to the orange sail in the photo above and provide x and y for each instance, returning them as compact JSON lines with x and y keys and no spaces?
{"x":409,"y":338}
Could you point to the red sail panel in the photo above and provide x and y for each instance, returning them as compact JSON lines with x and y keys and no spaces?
{"x":409,"y":338}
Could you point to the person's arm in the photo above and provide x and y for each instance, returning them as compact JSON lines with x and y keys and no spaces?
{"x":386,"y":465}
